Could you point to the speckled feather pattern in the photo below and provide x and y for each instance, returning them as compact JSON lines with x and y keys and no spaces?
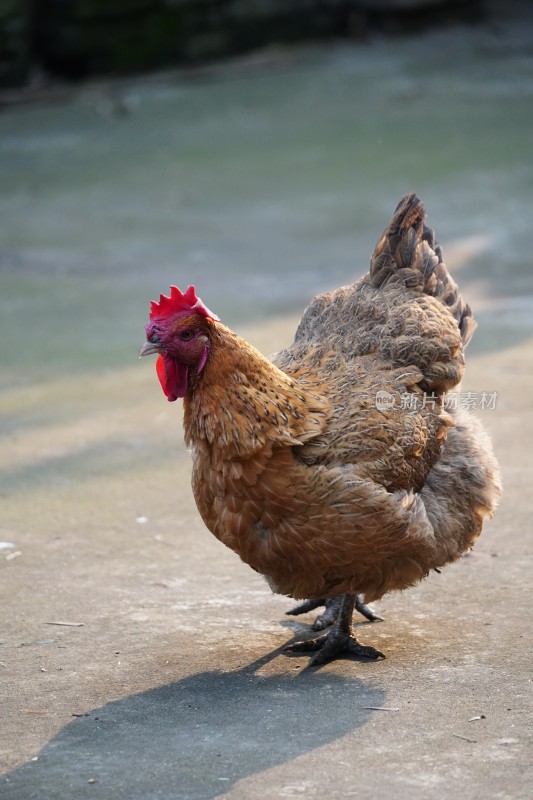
{"x":297,"y":470}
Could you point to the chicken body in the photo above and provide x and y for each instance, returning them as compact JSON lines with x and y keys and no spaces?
{"x":335,"y":468}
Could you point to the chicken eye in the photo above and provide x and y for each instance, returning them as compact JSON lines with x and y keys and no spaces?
{"x":185,"y":335}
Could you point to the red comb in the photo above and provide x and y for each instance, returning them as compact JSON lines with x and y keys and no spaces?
{"x":180,"y":301}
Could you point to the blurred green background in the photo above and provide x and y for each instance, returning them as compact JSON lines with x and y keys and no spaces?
{"x":263,"y":181}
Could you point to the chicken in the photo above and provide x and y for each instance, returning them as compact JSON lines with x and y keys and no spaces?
{"x":335,"y":469}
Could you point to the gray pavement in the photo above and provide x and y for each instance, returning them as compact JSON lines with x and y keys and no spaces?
{"x":139,"y":658}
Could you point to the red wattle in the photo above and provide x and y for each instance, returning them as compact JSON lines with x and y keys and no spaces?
{"x":173,"y":377}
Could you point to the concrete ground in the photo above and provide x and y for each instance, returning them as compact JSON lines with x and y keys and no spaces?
{"x":139,"y":658}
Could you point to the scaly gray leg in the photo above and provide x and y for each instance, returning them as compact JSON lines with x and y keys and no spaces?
{"x":338,"y":640}
{"x":332,"y":605}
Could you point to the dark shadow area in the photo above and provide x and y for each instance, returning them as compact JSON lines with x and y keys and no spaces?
{"x":194,"y":738}
{"x":80,"y":38}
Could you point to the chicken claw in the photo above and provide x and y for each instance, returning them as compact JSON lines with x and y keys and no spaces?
{"x":366,"y":611}
{"x":339,"y":640}
{"x":332,"y":605}
{"x":331,"y":645}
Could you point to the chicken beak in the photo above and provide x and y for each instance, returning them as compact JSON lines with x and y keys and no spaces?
{"x":148,"y":348}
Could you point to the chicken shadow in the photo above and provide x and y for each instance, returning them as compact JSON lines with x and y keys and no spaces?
{"x":194,"y":738}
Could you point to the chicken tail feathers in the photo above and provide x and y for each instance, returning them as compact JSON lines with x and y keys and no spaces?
{"x":407,"y":253}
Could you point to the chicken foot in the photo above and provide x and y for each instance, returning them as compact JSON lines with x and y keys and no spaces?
{"x":331,"y":612}
{"x":339,"y":640}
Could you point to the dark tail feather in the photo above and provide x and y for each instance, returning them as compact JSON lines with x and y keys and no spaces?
{"x":407,"y":253}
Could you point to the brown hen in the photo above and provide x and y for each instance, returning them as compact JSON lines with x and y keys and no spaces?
{"x":335,"y":469}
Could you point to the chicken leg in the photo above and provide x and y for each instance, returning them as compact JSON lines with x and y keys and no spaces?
{"x":330,"y":614}
{"x":340,"y":638}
